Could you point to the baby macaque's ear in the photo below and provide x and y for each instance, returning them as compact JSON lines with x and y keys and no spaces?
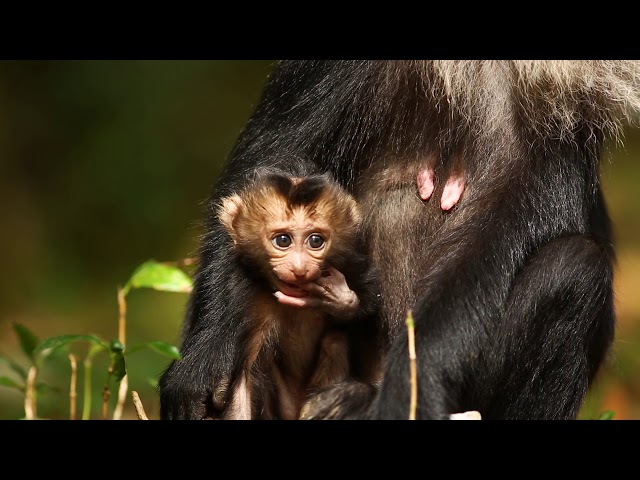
{"x":228,"y":212}
{"x":356,"y":211}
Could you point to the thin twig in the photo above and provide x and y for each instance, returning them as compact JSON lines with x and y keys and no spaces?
{"x":30,"y":412}
{"x":72,"y":387}
{"x":412,"y":366}
{"x":138,"y":404}
{"x":122,"y":337}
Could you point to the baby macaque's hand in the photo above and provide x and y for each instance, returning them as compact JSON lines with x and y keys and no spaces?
{"x":329,"y":293}
{"x":452,"y":189}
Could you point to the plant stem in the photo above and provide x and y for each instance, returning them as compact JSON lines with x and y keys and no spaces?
{"x":86,"y":403}
{"x":30,"y":412}
{"x":122,"y":317}
{"x":122,"y":394}
{"x":413,"y":372}
{"x":72,"y":387}
{"x":122,"y":337}
{"x":106,"y":393}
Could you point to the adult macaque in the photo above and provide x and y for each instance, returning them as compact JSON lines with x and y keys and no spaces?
{"x":511,"y":290}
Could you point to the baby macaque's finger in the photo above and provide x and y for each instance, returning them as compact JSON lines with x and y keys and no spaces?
{"x":330,"y":283}
{"x":314,"y":288}
{"x":300,"y":302}
{"x":333,"y":277}
{"x":330,"y":293}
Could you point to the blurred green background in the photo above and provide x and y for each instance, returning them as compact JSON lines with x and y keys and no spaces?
{"x":105,"y":164}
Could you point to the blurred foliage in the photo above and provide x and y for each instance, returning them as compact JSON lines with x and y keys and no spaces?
{"x":104,"y":164}
{"x":151,"y":274}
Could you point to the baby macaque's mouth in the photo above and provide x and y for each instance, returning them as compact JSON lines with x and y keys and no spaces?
{"x":290,"y":289}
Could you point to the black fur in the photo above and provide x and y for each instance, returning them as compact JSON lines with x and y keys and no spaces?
{"x":511,"y":291}
{"x":302,"y":193}
{"x":306,"y":191}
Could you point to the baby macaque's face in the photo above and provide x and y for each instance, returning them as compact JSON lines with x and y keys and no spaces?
{"x":297,"y":244}
{"x":288,"y":227}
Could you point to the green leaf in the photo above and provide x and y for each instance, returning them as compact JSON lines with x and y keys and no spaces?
{"x":162,"y":348}
{"x":15,"y":367}
{"x":159,"y":276}
{"x":57,"y":342}
{"x":8,"y":382}
{"x":28,"y":340}
{"x":46,"y":354}
{"x":118,"y":365}
{"x":607,"y":415}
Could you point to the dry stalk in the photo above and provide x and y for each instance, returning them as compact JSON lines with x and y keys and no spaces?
{"x":72,"y":387}
{"x":122,"y":394}
{"x":413,"y":371}
{"x":30,"y":412}
{"x":138,"y":404}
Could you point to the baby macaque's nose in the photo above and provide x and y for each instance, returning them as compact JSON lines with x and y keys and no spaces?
{"x":300,"y":274}
{"x":299,"y":268}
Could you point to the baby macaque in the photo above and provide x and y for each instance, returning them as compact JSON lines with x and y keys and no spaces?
{"x":299,"y":240}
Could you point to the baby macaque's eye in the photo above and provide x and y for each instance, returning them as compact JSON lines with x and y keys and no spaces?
{"x":315,"y":241}
{"x":282,"y":241}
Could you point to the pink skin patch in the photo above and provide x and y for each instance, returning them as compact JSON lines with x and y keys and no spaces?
{"x":425,"y":182}
{"x":452,"y":189}
{"x":452,"y":192}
